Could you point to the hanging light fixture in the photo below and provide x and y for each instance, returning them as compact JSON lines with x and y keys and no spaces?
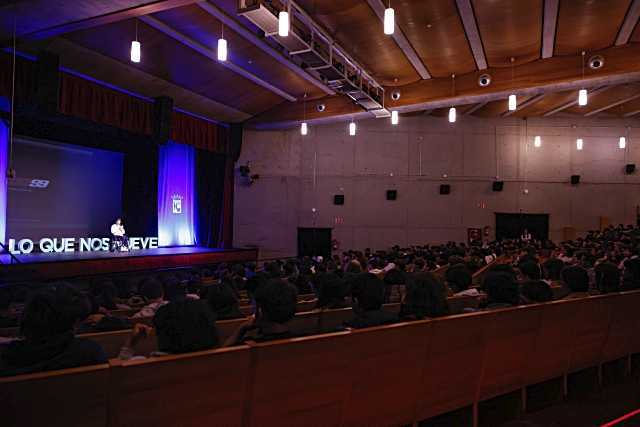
{"x":389,"y":20}
{"x":537,"y":141}
{"x":136,"y":48}
{"x":222,"y":47}
{"x":622,"y":143}
{"x":513,"y":102}
{"x":352,"y":128}
{"x":452,"y":110}
{"x":579,"y":144}
{"x":283,"y":22}
{"x":304,"y":129}
{"x":582,"y":93}
{"x":394,"y":117}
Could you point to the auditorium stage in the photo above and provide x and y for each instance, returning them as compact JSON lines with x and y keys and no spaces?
{"x":41,"y":266}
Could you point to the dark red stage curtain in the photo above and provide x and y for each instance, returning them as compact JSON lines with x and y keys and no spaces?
{"x":25,"y":78}
{"x":202,"y":134}
{"x":88,"y":100}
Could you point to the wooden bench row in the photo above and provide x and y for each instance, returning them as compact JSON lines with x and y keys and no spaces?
{"x":390,"y":375}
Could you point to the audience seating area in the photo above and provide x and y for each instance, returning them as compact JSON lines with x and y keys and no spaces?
{"x":388,"y":375}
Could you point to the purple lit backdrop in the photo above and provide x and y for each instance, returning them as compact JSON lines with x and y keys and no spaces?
{"x":4,"y":163}
{"x":176,"y":193}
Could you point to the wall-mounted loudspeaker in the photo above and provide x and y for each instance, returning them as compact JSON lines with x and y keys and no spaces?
{"x":338,"y":199}
{"x":575,"y":179}
{"x":445,"y":189}
{"x":498,"y":185}
{"x":630,"y":168}
{"x":392,"y":194}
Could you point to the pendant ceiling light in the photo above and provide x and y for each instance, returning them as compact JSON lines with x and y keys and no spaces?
{"x":537,"y":141}
{"x":582,"y":93}
{"x":283,"y":22}
{"x":513,"y":102}
{"x":352,"y":128}
{"x":304,"y":129}
{"x":389,"y":20}
{"x":579,"y":144}
{"x":222,"y":47}
{"x":622,"y":143}
{"x":136,"y":48}
{"x":452,"y":110}
{"x":394,"y":117}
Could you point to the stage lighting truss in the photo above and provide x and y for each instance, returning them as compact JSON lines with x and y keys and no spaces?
{"x":317,"y":53}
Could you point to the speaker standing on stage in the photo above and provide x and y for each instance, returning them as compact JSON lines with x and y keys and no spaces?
{"x":120,"y":240}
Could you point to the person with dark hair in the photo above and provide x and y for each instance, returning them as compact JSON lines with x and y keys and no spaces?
{"x":48,"y":341}
{"x":631,"y":274}
{"x":275,"y":306}
{"x":607,"y":278}
{"x":530,"y":270}
{"x":577,"y":279}
{"x":502,"y":290}
{"x":8,"y":318}
{"x":459,"y":280}
{"x":332,"y":291}
{"x":181,"y":326}
{"x":151,"y":290}
{"x":174,"y":289}
{"x":535,"y":291}
{"x":426,"y":297}
{"x":223,"y":302}
{"x":368,"y":297}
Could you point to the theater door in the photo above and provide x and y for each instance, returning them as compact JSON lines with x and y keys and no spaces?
{"x":314,"y":241}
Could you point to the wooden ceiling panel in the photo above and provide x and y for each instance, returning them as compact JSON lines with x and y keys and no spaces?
{"x":605,"y":98}
{"x":358,"y":30}
{"x":170,"y":60}
{"x":428,"y":24}
{"x":588,"y":24}
{"x":509,"y":29}
{"x":206,"y":29}
{"x":548,"y":103}
{"x":635,"y":36}
{"x":628,"y":108}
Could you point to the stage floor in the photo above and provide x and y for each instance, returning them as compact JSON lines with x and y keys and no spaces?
{"x":47,"y":266}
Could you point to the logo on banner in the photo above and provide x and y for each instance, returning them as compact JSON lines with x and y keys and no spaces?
{"x":177,"y":204}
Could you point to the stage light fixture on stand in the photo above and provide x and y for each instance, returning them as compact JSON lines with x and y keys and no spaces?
{"x":389,"y":20}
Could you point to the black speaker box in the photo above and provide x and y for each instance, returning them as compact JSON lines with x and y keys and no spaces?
{"x":630,"y":168}
{"x":392,"y":194}
{"x":162,"y":111}
{"x":498,"y":185}
{"x":575,"y":179}
{"x":445,"y":189}
{"x":338,"y":199}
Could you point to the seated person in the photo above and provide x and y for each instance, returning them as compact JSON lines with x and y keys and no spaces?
{"x":368,"y":297}
{"x":48,"y":341}
{"x":181,"y":326}
{"x":577,"y":279}
{"x":502,"y":290}
{"x":426,"y":297}
{"x":152,"y":292}
{"x":631,"y":274}
{"x":534,"y":291}
{"x":607,"y":278}
{"x":459,"y":280}
{"x":223,"y":302}
{"x":8,"y":318}
{"x":275,"y":307}
{"x":332,"y":292}
{"x":100,"y":321}
{"x":119,"y":238}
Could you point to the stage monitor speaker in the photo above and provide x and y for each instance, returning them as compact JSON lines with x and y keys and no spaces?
{"x":162,"y":112}
{"x":445,"y":189}
{"x":630,"y":168}
{"x":47,"y":81}
{"x":392,"y":194}
{"x":575,"y":179}
{"x":338,"y":199}
{"x":498,"y":185}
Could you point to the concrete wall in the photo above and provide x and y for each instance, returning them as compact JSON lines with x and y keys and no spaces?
{"x":299,"y":174}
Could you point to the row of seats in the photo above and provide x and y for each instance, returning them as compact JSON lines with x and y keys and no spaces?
{"x":388,"y":375}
